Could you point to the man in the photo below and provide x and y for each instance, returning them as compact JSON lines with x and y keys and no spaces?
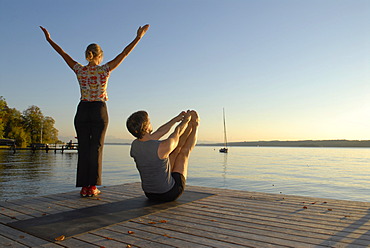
{"x":163,"y":165}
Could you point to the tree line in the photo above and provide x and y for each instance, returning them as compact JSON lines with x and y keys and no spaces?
{"x":27,"y":127}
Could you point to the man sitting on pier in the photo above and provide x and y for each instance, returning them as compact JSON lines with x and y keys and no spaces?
{"x":163,"y":165}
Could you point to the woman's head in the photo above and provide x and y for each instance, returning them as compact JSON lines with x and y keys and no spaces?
{"x":94,"y":53}
{"x":138,"y":124}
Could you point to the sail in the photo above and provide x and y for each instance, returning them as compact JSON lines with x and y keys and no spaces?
{"x":224,"y":149}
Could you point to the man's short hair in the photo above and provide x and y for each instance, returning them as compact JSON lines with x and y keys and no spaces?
{"x":137,"y":123}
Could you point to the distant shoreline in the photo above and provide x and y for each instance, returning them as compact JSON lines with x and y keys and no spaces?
{"x":299,"y":143}
{"x":278,"y":143}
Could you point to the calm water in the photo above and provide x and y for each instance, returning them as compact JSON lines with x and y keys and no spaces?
{"x":339,"y":173}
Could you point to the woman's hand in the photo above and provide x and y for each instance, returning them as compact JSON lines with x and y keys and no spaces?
{"x":113,"y":64}
{"x":142,"y":30}
{"x":70,"y":62}
{"x":46,"y":32}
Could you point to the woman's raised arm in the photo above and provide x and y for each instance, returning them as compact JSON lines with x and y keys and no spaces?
{"x":70,"y":62}
{"x":113,"y":64}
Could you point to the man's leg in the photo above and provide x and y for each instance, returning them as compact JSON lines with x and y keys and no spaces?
{"x":182,"y":141}
{"x":179,"y":158}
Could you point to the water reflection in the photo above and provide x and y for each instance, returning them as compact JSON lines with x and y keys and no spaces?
{"x":224,"y":172}
{"x":27,"y":173}
{"x":24,"y":165}
{"x":70,"y":158}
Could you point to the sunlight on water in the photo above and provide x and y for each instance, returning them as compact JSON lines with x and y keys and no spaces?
{"x":340,"y":173}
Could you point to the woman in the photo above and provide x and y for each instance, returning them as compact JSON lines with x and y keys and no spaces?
{"x":91,"y":118}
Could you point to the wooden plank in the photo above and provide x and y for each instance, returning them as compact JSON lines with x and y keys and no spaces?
{"x":75,"y":242}
{"x":75,"y":202}
{"x":39,"y":207}
{"x":248,"y":220}
{"x":132,"y":190}
{"x":264,"y":230}
{"x":129,"y":238}
{"x":51,"y":245}
{"x":273,"y":215}
{"x":270,"y":197}
{"x":150,"y":233}
{"x":73,"y":199}
{"x":317,"y":209}
{"x":230,"y":218}
{"x":316,"y":205}
{"x":103,"y":241}
{"x":21,"y":237}
{"x":277,"y":214}
{"x":352,"y":231}
{"x":174,"y":233}
{"x":5,"y":242}
{"x":233,"y":237}
{"x":9,"y":215}
{"x":22,"y":209}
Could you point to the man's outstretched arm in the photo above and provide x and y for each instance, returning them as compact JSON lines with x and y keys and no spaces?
{"x":170,"y":144}
{"x":165,"y":128}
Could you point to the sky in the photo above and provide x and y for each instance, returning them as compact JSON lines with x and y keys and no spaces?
{"x":283,"y":70}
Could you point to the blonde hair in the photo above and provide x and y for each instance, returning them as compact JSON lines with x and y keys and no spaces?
{"x":93,"y":51}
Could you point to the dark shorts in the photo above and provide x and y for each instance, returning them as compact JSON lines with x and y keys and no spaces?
{"x":172,"y":194}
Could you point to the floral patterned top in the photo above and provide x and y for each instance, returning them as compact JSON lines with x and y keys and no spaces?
{"x":93,"y":81}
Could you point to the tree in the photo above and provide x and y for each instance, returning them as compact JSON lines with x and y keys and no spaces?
{"x":40,"y":128}
{"x":33,"y":119}
{"x":22,"y":138}
{"x":27,"y":128}
{"x":14,"y":127}
{"x":49,"y":132}
{"x":3,"y":108}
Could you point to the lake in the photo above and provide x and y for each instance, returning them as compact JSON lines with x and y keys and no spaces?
{"x":338,"y":173}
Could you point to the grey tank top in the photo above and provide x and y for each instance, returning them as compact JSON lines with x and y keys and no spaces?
{"x":155,"y":173}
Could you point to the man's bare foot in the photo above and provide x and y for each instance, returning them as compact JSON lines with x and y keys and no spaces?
{"x":194,"y":116}
{"x":187,"y":116}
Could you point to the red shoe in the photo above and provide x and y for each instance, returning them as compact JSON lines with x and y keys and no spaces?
{"x":84,"y":191}
{"x":93,"y":191}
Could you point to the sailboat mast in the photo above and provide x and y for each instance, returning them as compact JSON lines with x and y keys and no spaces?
{"x":225,"y":137}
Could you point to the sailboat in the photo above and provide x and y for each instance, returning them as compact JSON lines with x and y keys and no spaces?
{"x":224,"y":149}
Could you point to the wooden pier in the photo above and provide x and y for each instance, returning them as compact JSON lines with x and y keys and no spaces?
{"x":203,"y":217}
{"x":40,"y":147}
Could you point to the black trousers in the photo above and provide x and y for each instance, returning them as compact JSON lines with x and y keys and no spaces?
{"x":174,"y":193}
{"x":91,"y":122}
